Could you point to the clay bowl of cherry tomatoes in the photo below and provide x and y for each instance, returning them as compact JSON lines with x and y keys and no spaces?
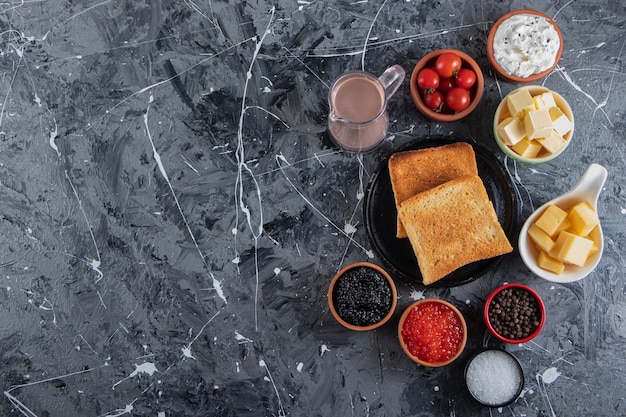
{"x":447,"y":85}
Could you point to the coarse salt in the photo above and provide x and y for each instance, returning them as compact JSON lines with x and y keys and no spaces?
{"x":494,"y":377}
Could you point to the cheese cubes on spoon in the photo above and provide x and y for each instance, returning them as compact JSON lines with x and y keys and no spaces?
{"x":564,"y":237}
{"x":533,"y":125}
{"x":551,"y":220}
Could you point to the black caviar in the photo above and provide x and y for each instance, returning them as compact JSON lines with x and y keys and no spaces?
{"x":362,"y":296}
{"x":514,"y":313}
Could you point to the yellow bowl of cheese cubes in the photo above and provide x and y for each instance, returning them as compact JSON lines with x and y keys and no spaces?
{"x":533,"y":124}
{"x":562,"y":241}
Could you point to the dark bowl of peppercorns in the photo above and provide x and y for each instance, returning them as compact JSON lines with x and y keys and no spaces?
{"x":362,"y":296}
{"x":514,"y":313}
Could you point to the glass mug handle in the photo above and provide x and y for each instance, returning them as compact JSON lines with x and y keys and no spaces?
{"x":392,"y":78}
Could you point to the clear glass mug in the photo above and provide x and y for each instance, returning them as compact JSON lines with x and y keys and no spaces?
{"x":358,"y":119}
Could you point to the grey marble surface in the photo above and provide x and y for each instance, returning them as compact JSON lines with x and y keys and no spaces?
{"x":172,"y":210}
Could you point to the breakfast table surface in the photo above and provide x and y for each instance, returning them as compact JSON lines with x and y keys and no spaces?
{"x":172,"y":209}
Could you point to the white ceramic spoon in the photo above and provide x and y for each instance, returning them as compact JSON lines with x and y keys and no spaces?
{"x":588,"y":189}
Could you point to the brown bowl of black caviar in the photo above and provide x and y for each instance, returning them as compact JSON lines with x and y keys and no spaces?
{"x":514,"y":313}
{"x":362,"y":296}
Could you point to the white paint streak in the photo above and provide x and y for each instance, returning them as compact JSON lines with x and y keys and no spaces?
{"x":242,"y":338}
{"x":120,"y":412}
{"x":599,"y":106}
{"x":187,"y":349}
{"x":517,"y":180}
{"x":280,"y":158}
{"x":349,"y":229}
{"x":243,"y":168}
{"x":148,"y":368}
{"x":217,"y":286}
{"x":211,"y":19}
{"x":93,"y":263}
{"x":52,"y":138}
{"x":369,"y":32}
{"x":550,"y":375}
{"x":416,"y":295}
{"x":169,"y":80}
{"x":330,"y":52}
{"x":281,"y":409}
{"x":19,"y":406}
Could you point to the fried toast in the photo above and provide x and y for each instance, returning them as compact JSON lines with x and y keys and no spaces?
{"x":452,"y":225}
{"x":414,"y":171}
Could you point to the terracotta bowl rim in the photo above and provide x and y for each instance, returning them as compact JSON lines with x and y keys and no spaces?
{"x":542,"y":310}
{"x":445,"y":117}
{"x":394,"y":296}
{"x":456,"y":311}
{"x":510,"y":77}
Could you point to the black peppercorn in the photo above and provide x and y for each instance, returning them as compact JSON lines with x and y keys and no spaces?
{"x":520,"y":316}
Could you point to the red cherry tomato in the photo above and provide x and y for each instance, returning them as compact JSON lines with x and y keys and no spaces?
{"x":457,"y":99}
{"x":445,"y":84}
{"x":433,"y":100}
{"x":427,"y":79}
{"x":448,"y":64}
{"x":465,"y":78}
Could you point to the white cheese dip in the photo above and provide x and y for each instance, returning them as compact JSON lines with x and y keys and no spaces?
{"x":525,"y":44}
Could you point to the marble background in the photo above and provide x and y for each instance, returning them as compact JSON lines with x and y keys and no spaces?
{"x":172,"y":209}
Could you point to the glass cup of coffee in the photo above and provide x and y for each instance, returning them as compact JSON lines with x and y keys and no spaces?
{"x":358,"y":118}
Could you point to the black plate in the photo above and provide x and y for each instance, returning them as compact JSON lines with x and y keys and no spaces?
{"x":380,"y":218}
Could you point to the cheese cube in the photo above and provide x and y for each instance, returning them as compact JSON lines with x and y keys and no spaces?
{"x":544,"y":101}
{"x":538,"y":124}
{"x":519,"y":103}
{"x":527,"y":148}
{"x":565,"y":224}
{"x":595,"y":235}
{"x":560,"y":122}
{"x":583,"y":219}
{"x":571,"y":249}
{"x":553,"y":142}
{"x":504,"y":113}
{"x":511,"y":131}
{"x":548,"y":263}
{"x":540,"y":238}
{"x":551,"y":219}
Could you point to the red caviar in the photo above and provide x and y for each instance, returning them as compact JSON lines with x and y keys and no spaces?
{"x":432,"y":332}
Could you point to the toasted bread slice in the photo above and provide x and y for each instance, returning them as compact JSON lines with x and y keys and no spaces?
{"x":452,"y":225}
{"x":414,"y":171}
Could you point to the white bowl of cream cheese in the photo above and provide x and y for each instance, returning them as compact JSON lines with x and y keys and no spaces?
{"x":524,"y":46}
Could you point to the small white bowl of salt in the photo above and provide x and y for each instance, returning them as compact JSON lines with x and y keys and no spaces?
{"x":494,"y":378}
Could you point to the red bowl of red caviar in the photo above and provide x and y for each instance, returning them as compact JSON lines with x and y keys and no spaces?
{"x":432,"y":332}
